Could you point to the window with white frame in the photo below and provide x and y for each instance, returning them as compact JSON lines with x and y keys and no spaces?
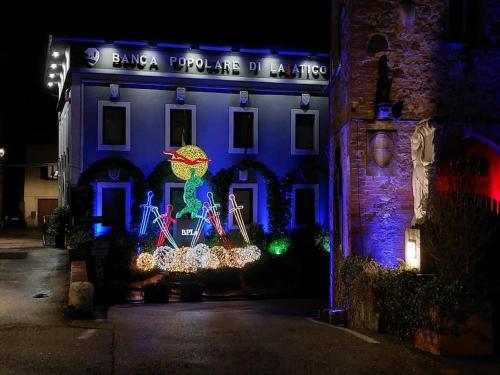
{"x":180,"y":125}
{"x":305,"y":132}
{"x":245,"y":195}
{"x":174,"y":192}
{"x":113,"y":126}
{"x":305,"y":205}
{"x":243,"y":130}
{"x":113,"y":204}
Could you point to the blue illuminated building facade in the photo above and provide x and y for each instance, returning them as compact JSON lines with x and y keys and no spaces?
{"x":132,"y":100}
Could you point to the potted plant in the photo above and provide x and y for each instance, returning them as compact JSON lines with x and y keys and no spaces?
{"x":58,"y":225}
{"x":79,"y":244}
{"x":158,"y":292}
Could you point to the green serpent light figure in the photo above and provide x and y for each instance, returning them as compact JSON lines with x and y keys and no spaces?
{"x":193,"y":205}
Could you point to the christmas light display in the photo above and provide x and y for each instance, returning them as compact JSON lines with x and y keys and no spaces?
{"x":189,"y":259}
{"x":146,"y":213}
{"x":214,"y":214}
{"x":159,"y":220}
{"x":239,"y":219}
{"x":190,"y":163}
{"x":214,"y":218}
{"x":197,"y":257}
{"x":199,"y":226}
{"x":193,"y":204}
{"x":187,"y":158}
{"x":167,"y":220}
{"x":165,"y":257}
{"x":246,"y":255}
{"x":145,"y":262}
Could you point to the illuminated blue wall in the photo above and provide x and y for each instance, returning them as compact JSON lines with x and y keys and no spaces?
{"x":212,"y":126}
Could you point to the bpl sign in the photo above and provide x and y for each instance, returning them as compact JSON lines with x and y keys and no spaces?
{"x":188,"y":232}
{"x":184,"y":230}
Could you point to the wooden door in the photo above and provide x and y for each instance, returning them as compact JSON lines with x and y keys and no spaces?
{"x":45,"y":207}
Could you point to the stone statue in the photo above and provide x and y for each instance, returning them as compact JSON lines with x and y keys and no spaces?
{"x":422,"y":155}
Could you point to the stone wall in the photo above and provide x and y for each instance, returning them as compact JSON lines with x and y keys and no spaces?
{"x":433,"y":74}
{"x":381,"y":206}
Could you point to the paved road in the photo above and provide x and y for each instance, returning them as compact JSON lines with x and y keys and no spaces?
{"x":26,"y":272}
{"x":261,"y":337}
{"x":35,"y":335}
{"x":239,"y":337}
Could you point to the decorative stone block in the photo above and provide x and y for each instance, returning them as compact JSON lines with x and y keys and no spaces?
{"x":81,"y":297}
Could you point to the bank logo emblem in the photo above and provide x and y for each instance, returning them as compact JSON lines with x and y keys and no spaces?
{"x":91,"y":56}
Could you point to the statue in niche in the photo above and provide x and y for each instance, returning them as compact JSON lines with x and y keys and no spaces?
{"x":384,"y":81}
{"x":422,"y":155}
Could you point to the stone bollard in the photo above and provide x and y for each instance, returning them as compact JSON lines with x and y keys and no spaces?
{"x":81,"y":296}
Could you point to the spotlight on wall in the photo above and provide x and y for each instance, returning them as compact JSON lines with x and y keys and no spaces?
{"x":55,"y":54}
{"x":305,"y":99}
{"x":407,"y":12}
{"x":50,"y":84}
{"x":412,"y":248}
{"x":53,"y":66}
{"x":180,"y":95}
{"x":51,"y":75}
{"x":243,"y":98}
{"x":2,"y":152}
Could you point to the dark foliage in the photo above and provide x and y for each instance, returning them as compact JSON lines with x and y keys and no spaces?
{"x":161,"y":174}
{"x":405,"y":300}
{"x":277,"y":205}
{"x":158,"y":292}
{"x":99,"y":169}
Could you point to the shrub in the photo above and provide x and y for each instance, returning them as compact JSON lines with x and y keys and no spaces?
{"x":257,"y":236}
{"x":80,"y":239}
{"x":322,"y":240}
{"x":59,"y":224}
{"x":279,"y":246}
{"x":220,"y":280}
{"x":399,"y":301}
{"x":191,"y":291}
{"x":405,"y":300}
{"x":458,"y":230}
{"x":122,"y":246}
{"x":112,"y":292}
{"x":355,"y":279}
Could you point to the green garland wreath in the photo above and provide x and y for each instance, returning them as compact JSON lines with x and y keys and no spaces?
{"x":157,"y":179}
{"x":138,"y":185}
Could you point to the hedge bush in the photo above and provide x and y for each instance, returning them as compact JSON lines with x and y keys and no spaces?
{"x":405,"y":300}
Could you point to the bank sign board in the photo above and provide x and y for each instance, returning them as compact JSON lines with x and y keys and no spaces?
{"x":204,"y":63}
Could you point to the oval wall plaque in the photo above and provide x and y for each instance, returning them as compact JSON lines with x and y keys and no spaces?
{"x":382,"y":149}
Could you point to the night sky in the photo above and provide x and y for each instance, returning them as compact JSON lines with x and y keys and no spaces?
{"x":27,"y":110}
